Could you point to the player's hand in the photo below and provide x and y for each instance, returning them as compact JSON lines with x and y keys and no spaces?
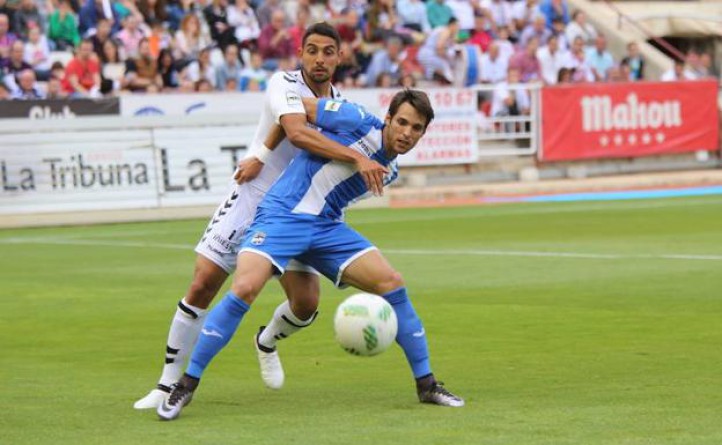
{"x":373,"y":175}
{"x":247,"y":170}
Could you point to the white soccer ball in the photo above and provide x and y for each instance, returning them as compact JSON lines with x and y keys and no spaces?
{"x":365,"y":324}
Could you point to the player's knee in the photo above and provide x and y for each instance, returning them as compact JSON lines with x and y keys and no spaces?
{"x":245,"y":290}
{"x":391,"y":280}
{"x":304,"y":308}
{"x":201,"y":291}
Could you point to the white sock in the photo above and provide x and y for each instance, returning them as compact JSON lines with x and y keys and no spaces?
{"x":182,"y":336}
{"x":283,"y":324}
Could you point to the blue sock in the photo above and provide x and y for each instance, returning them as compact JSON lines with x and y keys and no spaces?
{"x":220,"y":325}
{"x":410,"y":336}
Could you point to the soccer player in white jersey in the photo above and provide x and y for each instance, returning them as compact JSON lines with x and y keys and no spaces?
{"x":302,"y":217}
{"x":218,"y":248}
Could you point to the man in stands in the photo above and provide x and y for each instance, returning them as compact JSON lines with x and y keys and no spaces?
{"x":275,"y":42}
{"x":82,"y":75}
{"x":27,"y":87}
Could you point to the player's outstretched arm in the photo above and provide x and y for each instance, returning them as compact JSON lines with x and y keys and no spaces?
{"x":309,"y":139}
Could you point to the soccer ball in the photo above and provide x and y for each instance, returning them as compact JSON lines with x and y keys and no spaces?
{"x":365,"y":324}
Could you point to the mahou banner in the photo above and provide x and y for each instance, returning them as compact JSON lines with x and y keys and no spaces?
{"x":628,"y":119}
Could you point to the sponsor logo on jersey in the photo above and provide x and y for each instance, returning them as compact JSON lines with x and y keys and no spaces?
{"x":332,"y":105}
{"x":292,"y":98}
{"x":258,"y":238}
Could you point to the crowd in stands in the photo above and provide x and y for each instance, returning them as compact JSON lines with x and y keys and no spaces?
{"x":95,"y":48}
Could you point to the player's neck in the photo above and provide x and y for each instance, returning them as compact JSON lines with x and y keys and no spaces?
{"x":319,"y":89}
{"x":390,"y":154}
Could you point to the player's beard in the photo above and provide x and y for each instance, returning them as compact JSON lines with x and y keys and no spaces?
{"x":318,"y":77}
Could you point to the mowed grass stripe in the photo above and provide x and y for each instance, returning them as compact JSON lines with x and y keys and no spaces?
{"x":546,"y":350}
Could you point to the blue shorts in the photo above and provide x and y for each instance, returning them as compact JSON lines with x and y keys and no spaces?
{"x":327,"y":246}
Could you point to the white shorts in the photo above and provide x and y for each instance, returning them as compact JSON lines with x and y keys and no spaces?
{"x":224,"y":234}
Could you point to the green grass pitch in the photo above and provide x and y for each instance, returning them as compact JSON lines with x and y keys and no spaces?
{"x":575,"y":323}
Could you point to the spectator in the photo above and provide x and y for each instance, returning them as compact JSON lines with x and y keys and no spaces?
{"x":27,"y":88}
{"x":558,"y":28}
{"x":168,"y":70}
{"x":200,"y":69}
{"x":494,"y":65}
{"x":526,"y":62}
{"x":552,"y":59}
{"x":8,"y":12}
{"x":112,"y":68}
{"x":555,"y":9}
{"x":216,"y":15}
{"x":125,"y":8}
{"x":153,"y":11}
{"x":413,"y":16}
{"x":436,"y":56}
{"x":579,"y":27}
{"x":408,"y":80}
{"x":565,"y":75}
{"x":499,"y":11}
{"x":130,"y":37}
{"x":599,"y":59}
{"x":706,"y":65}
{"x":93,"y":11}
{"x":110,"y":52}
{"x":141,"y":73}
{"x":481,"y":37}
{"x":27,"y":16}
{"x":438,"y":13}
{"x":299,"y":27}
{"x":265,"y":12}
{"x":386,"y":60}
{"x":37,"y":53}
{"x":203,"y":86}
{"x":618,"y":73}
{"x":536,"y":29}
{"x":102,"y":34}
{"x":246,"y":29}
{"x":54,"y":89}
{"x":159,"y":38}
{"x":510,"y":100}
{"x":4,"y":90}
{"x":677,"y":72}
{"x":634,"y":61}
{"x":348,"y":71}
{"x":384,"y":81}
{"x":382,"y":23}
{"x":525,"y":12}
{"x":463,"y":11}
{"x":82,"y":75}
{"x":253,"y":77}
{"x":350,"y":29}
{"x":275,"y":43}
{"x":506,"y":48}
{"x":333,"y":11}
{"x":189,"y":40}
{"x":582,"y":70}
{"x":63,"y":27}
{"x":7,"y":38}
{"x":230,"y":68}
{"x":13,"y":65}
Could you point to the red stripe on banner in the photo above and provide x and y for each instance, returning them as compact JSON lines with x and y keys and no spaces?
{"x":623,"y":120}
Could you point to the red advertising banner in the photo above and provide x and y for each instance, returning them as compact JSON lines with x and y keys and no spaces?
{"x":616,"y":120}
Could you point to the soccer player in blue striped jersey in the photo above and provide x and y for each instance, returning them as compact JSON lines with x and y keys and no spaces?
{"x":301,"y":217}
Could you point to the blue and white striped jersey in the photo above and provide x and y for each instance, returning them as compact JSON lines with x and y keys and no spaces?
{"x":317,"y":186}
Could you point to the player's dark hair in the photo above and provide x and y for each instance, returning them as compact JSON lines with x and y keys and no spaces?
{"x":321,"y":29}
{"x":417,"y":99}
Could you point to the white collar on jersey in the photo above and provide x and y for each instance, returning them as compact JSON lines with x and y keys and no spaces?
{"x":297,"y":75}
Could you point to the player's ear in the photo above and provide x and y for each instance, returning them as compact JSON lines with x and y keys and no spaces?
{"x":387,"y":119}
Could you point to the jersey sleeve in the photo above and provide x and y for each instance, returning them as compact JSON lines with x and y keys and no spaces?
{"x":284,"y":96}
{"x":338,"y":116}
